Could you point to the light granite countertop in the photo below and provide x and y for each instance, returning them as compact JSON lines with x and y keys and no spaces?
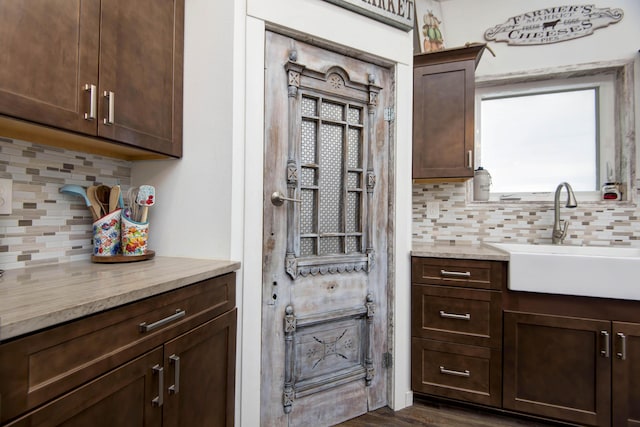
{"x":479,"y":251}
{"x":38,"y":297}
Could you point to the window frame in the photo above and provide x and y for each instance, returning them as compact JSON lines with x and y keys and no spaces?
{"x":615,"y":85}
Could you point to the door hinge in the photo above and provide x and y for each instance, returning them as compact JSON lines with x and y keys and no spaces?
{"x":389,"y":114}
{"x":387,"y":360}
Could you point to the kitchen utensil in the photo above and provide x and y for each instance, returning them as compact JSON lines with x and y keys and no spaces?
{"x":102,"y":193}
{"x":120,"y":198}
{"x":114,"y":197}
{"x":77,"y":190}
{"x":95,"y":206}
{"x":131,"y":207}
{"x":146,"y":197}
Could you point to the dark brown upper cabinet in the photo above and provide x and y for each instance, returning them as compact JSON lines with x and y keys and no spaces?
{"x":108,"y":74}
{"x":443,"y":112}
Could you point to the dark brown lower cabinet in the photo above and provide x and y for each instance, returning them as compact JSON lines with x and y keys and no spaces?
{"x":122,"y":398}
{"x":194,"y":387}
{"x":585,"y":371}
{"x":167,"y":360}
{"x":626,"y":374}
{"x":201,"y":375}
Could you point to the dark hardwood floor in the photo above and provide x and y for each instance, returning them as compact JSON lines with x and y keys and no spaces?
{"x":436,"y":414}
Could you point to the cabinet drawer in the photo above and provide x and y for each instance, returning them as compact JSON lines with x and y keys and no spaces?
{"x":466,"y":316}
{"x":456,"y":371}
{"x":41,"y":366}
{"x":458,"y":272}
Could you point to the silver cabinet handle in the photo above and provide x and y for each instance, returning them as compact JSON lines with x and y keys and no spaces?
{"x":622,"y":354}
{"x":143,"y":327}
{"x":466,"y":373}
{"x":111,"y":97}
{"x":277,"y":198}
{"x":604,"y":352}
{"x":158,"y":400}
{"x":446,"y":315}
{"x":455,"y":273}
{"x":93,"y":101}
{"x":175,"y":388}
{"x":469,"y":159}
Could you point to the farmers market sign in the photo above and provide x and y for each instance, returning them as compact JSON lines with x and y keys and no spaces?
{"x":553,"y":24}
{"x":398,"y":13}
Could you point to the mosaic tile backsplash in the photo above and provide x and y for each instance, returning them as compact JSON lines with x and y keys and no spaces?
{"x":46,"y":226}
{"x":460,"y":223}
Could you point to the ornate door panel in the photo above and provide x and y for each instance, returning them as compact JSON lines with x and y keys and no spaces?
{"x":325,"y":314}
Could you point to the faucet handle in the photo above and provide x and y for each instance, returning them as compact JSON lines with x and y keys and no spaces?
{"x":565,"y":227}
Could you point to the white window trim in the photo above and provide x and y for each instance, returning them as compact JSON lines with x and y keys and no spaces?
{"x":615,"y":82}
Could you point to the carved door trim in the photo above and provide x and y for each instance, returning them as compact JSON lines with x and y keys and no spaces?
{"x":305,"y":83}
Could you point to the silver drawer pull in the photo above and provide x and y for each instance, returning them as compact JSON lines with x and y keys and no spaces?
{"x":111,"y":107}
{"x":622,"y":354}
{"x":158,"y":400}
{"x":93,"y":101}
{"x":175,"y":388}
{"x":143,"y":327}
{"x":455,"y":273}
{"x":604,"y":352}
{"x":464,"y":373}
{"x":446,"y":315}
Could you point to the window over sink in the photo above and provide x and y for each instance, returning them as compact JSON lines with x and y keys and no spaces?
{"x":537,"y":130}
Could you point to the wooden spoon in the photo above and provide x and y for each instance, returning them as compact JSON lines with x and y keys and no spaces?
{"x":114,"y":196}
{"x":95,"y":207}
{"x":102,"y":194}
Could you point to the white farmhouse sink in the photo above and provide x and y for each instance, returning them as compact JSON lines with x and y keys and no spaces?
{"x":594,"y":271}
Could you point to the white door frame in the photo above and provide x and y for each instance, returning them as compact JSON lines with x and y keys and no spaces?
{"x":248,"y":372}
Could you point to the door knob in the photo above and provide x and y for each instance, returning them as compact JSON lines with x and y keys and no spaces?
{"x":277,"y":198}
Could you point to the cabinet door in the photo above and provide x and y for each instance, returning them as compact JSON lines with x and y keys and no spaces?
{"x":49,"y":52}
{"x":558,"y":367}
{"x":626,"y":374}
{"x":141,"y":50}
{"x":201,"y":375}
{"x":443,"y":120}
{"x":122,"y":397}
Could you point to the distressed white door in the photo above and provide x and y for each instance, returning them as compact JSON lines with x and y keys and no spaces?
{"x":325,"y":291}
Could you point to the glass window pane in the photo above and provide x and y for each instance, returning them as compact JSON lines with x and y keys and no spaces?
{"x":332,"y":111}
{"x":531,"y":143}
{"x":353,"y":244}
{"x":353,"y":180}
{"x":308,"y":246}
{"x":354,"y":115}
{"x":353,"y":212}
{"x":331,"y":178}
{"x":308,"y":177}
{"x":330,"y":245}
{"x":309,"y":106}
{"x":307,"y":209}
{"x":355,"y":158}
{"x":309,"y":137}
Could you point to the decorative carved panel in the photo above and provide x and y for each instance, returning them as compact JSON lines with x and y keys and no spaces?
{"x":326,"y":350}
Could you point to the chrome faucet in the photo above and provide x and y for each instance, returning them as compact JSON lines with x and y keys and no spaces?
{"x":559,"y":233}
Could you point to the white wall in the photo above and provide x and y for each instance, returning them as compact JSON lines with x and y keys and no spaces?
{"x":192,"y":214}
{"x":467,"y":20}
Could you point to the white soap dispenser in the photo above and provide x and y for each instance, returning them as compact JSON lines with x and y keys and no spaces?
{"x":481,"y":184}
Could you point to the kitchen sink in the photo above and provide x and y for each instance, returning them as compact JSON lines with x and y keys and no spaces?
{"x":593,"y":271}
